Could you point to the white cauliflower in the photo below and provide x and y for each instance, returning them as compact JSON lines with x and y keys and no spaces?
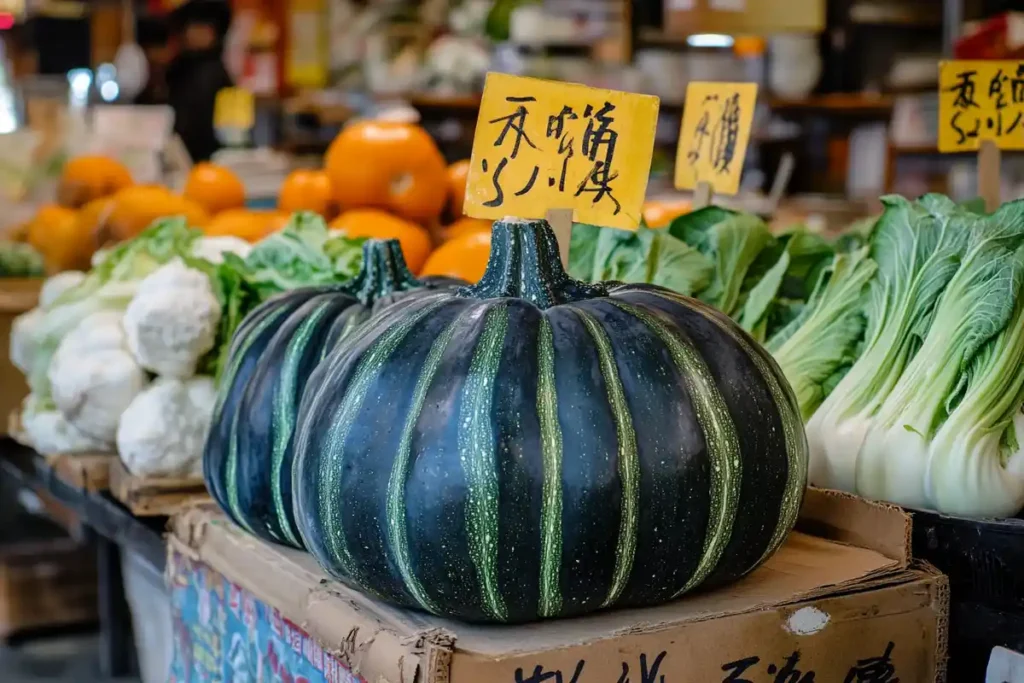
{"x":213,"y":249}
{"x":24,"y":339}
{"x":171,"y":323}
{"x":54,"y":286}
{"x":163,"y":431}
{"x":47,"y":431}
{"x":93,"y":377}
{"x":26,"y":327}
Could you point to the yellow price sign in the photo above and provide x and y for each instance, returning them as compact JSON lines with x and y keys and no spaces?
{"x":714,"y":135}
{"x":543,"y":145}
{"x":981,"y":100}
{"x":234,"y":108}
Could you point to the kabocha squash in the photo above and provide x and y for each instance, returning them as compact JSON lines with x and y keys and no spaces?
{"x":247,"y":459}
{"x":534,"y":446}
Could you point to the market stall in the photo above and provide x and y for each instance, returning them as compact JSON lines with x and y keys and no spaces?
{"x":510,"y":419}
{"x":841,"y":601}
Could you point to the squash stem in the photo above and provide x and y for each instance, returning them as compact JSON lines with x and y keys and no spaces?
{"x":524,"y":263}
{"x":384,"y":272}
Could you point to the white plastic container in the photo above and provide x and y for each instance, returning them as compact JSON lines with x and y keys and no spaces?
{"x":149,"y":601}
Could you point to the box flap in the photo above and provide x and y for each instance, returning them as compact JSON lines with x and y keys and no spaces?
{"x":852,"y":520}
{"x":390,"y":644}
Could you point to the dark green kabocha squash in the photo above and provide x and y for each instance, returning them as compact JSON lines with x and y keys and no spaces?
{"x":533,"y":446}
{"x":247,"y":459}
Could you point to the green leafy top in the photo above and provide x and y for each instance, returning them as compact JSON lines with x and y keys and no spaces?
{"x":18,"y":259}
{"x":303,"y":253}
{"x":640,"y":256}
{"x":822,"y":340}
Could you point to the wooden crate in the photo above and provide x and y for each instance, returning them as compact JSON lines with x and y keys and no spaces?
{"x":89,"y":472}
{"x":46,"y":584}
{"x":17,"y":295}
{"x":155,"y":496}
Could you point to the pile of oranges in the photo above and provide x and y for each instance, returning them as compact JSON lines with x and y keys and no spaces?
{"x":382,"y":179}
{"x":389,"y":180}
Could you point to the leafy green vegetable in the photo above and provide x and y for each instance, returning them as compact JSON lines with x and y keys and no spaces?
{"x":304,"y":253}
{"x":974,"y":307}
{"x":20,"y":260}
{"x":975,"y":463}
{"x":917,"y":249}
{"x":856,"y":235}
{"x":733,"y":243}
{"x":640,"y":256}
{"x":976,"y":205}
{"x":823,"y":338}
{"x":802,"y":258}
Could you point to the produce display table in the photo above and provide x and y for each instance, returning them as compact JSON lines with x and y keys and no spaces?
{"x":841,"y":600}
{"x":111,"y":527}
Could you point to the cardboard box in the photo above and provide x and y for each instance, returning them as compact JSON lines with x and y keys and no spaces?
{"x":841,"y":596}
{"x":738,"y":17}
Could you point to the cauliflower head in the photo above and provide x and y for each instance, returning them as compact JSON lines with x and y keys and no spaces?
{"x":172,"y":321}
{"x":24,"y":339}
{"x":163,"y":431}
{"x":93,"y":377}
{"x":27,"y":327}
{"x":54,"y":286}
{"x":47,"y":431}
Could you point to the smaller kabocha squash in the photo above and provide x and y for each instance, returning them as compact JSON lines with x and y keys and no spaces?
{"x":534,"y":446}
{"x":247,"y":458}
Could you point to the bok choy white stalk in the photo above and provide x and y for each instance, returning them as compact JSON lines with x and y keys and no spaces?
{"x":917,"y":249}
{"x":974,"y":307}
{"x":975,"y":462}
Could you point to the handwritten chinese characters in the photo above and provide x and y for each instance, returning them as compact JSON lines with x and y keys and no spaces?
{"x":877,"y":669}
{"x":543,"y":145}
{"x":714,"y":135}
{"x":981,"y":100}
{"x":648,"y":668}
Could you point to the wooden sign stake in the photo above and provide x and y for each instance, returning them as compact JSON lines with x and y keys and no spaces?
{"x":988,"y":174}
{"x":702,"y":195}
{"x":560,"y":221}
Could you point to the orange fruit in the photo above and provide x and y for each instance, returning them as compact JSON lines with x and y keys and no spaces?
{"x":658,"y":213}
{"x":215,"y":188}
{"x":466,"y":225}
{"x":246,"y":224}
{"x":415,"y":240}
{"x":457,"y":174}
{"x":463,"y":257}
{"x":306,"y":190}
{"x":135,"y":208}
{"x":86,"y":178}
{"x":64,"y":242}
{"x":388,"y":165}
